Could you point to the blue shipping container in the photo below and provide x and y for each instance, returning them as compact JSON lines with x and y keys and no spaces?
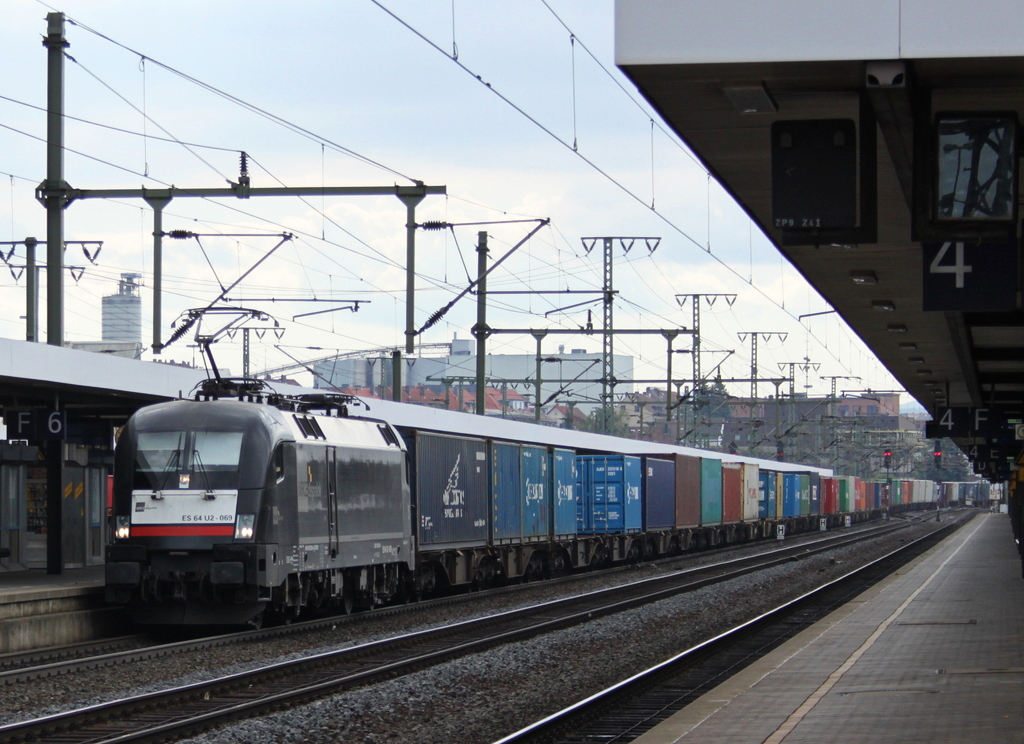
{"x":608,"y":494}
{"x":563,"y":490}
{"x":805,"y":495}
{"x":506,"y":492}
{"x":536,"y":493}
{"x":633,"y":479}
{"x":791,"y":495}
{"x":710,"y":491}
{"x":766,"y":495}
{"x":659,"y":494}
{"x":519,"y":488}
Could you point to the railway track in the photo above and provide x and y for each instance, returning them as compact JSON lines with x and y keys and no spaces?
{"x":625,"y":711}
{"x":186,"y":710}
{"x":25,"y":666}
{"x":39,"y":657}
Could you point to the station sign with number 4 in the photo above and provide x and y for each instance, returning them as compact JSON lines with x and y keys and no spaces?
{"x":966,"y":276}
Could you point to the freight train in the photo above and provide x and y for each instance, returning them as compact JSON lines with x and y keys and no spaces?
{"x":243,"y":503}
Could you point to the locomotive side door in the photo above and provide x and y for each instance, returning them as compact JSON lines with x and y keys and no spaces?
{"x":332,"y":501}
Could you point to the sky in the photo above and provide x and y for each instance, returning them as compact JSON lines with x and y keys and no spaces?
{"x":516,"y":109}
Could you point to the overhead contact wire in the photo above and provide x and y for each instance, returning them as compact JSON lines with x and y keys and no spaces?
{"x":591,"y":163}
{"x":249,"y":106}
{"x":102,"y":82}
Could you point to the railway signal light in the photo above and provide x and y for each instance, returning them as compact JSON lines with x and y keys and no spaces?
{"x":887,"y":459}
{"x":938,"y":458}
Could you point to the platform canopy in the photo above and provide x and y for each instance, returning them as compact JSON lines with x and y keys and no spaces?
{"x":876,"y":144}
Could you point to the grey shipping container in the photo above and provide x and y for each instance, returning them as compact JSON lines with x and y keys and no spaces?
{"x":451,"y":490}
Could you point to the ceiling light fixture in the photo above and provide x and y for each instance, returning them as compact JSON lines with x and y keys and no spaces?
{"x":896,"y":328}
{"x":883,"y":306}
{"x":915,"y":360}
{"x":924,"y":371}
{"x":908,"y":346}
{"x":863,"y":277}
{"x":751,"y":99}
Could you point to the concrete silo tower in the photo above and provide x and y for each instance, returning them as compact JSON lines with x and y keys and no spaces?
{"x":122,"y":312}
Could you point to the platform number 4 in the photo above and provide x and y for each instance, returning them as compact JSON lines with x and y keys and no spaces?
{"x":958,"y":268}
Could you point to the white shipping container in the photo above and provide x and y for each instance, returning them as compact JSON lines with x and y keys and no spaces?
{"x":751,"y":483}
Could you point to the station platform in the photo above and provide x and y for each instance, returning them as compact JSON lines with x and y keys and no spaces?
{"x":72,"y":581}
{"x":38,"y":609}
{"x":935,"y":653}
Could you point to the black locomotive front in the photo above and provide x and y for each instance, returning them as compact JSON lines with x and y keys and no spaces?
{"x":189,"y":484}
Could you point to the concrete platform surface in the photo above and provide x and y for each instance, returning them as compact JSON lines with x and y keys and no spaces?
{"x":935,"y":653}
{"x":17,"y":585}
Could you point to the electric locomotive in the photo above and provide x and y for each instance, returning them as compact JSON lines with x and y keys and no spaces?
{"x":227,"y":509}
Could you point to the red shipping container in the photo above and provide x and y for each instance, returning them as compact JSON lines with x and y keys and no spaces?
{"x":829,"y":495}
{"x":732,"y":492}
{"x":687,"y":491}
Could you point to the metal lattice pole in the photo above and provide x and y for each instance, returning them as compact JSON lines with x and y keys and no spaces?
{"x":608,"y":380}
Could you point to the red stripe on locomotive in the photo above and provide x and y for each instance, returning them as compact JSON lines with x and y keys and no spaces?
{"x":175,"y":530}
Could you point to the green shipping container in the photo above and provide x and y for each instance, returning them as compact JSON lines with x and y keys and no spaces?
{"x":710,"y":491}
{"x":844,"y":495}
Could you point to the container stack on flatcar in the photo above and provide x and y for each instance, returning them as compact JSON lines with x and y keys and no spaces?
{"x":229,"y":509}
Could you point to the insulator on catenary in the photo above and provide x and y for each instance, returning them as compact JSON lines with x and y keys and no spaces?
{"x":434,"y":225}
{"x":435,"y":317}
{"x":180,"y":331}
{"x":178,"y":234}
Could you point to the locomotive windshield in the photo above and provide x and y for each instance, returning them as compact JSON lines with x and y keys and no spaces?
{"x":203,"y":460}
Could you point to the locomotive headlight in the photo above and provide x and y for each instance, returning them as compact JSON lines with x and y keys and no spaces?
{"x":244,"y":526}
{"x":121,"y":528}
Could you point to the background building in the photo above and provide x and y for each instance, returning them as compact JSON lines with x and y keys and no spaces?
{"x":121,"y":321}
{"x":565,"y":376}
